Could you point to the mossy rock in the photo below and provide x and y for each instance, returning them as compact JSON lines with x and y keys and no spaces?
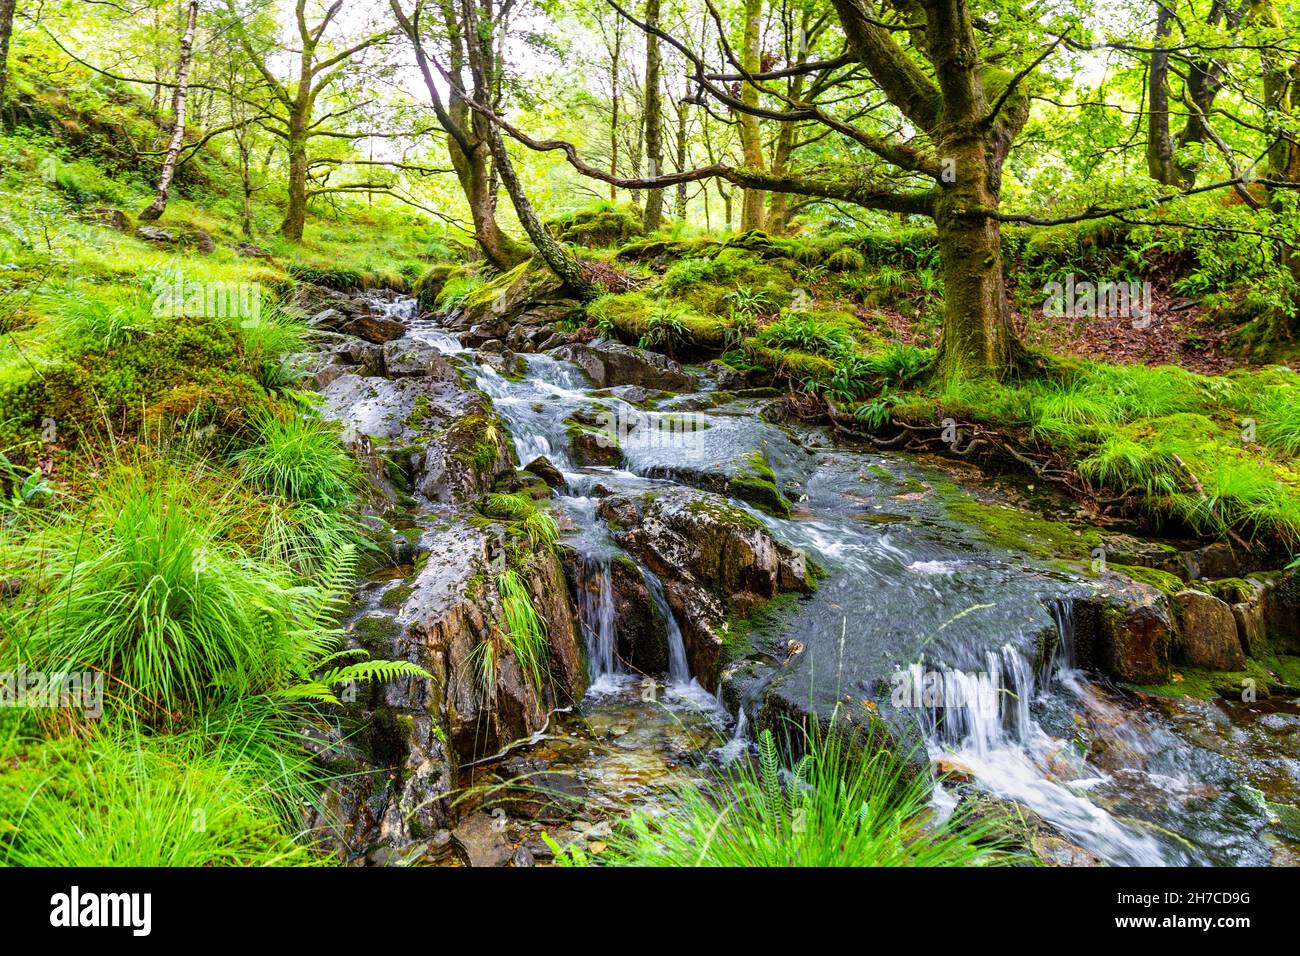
{"x":600,"y":226}
{"x":429,"y":286}
{"x":1162,"y":581}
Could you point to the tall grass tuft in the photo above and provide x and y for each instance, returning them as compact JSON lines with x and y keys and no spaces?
{"x":301,"y":459}
{"x":847,"y":802}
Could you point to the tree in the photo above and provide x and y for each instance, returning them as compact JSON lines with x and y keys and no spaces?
{"x":467,"y":130}
{"x":654,"y":147}
{"x":751,"y":141}
{"x":155,"y":208}
{"x":294,"y":118}
{"x":969,"y":111}
{"x":6,"y":29}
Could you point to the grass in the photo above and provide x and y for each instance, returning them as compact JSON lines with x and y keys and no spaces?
{"x":142,"y":586}
{"x":844,"y":803}
{"x":300,"y":458}
{"x":226,"y":794}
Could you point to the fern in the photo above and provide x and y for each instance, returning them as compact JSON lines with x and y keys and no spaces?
{"x":770,"y":772}
{"x":319,"y":669}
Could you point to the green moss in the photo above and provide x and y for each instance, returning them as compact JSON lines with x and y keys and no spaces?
{"x":1207,"y":684}
{"x":1162,"y":581}
{"x":396,"y":596}
{"x":375,"y":631}
{"x":1231,"y":590}
{"x":723,"y":512}
{"x":1018,"y":530}
{"x":756,"y":484}
{"x":741,"y":631}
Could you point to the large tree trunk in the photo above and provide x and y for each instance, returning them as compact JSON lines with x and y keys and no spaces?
{"x":978,"y":338}
{"x":6,"y":29}
{"x":751,"y":142}
{"x":654,"y":148}
{"x":295,"y":214}
{"x":1160,"y":144}
{"x":155,"y":208}
{"x":479,"y":50}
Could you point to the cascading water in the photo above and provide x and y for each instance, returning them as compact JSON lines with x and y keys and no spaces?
{"x":904,"y":584}
{"x":679,"y":672}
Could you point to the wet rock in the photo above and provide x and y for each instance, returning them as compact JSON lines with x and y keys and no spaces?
{"x":480,"y":840}
{"x":409,"y":357}
{"x":530,"y":294}
{"x":714,"y":560}
{"x":351,"y":317}
{"x":544,"y":469}
{"x":453,"y":610}
{"x":642,"y":631}
{"x":1207,"y":632}
{"x":523,"y":857}
{"x":419,"y":805}
{"x":609,"y":364}
{"x":1280,"y":599}
{"x":1215,"y":560}
{"x":632,"y":394}
{"x":590,"y":446}
{"x":1126,"y":549}
{"x":1126,"y":631}
{"x":376,"y":328}
{"x":533,"y":792}
{"x":420,"y":435}
{"x":1249,"y":616}
{"x":328,"y":373}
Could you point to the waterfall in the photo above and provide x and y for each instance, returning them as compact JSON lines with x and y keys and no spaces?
{"x":679,"y":670}
{"x":596,"y":614}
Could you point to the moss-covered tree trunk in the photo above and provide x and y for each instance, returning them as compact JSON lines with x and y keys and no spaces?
{"x":751,"y":141}
{"x":654,"y":144}
{"x":6,"y":30}
{"x":295,"y":212}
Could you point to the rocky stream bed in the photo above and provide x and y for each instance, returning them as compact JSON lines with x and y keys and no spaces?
{"x":724,"y":567}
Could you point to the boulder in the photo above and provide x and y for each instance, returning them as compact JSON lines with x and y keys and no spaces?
{"x":480,"y":840}
{"x":530,"y":294}
{"x":713,"y":558}
{"x":1280,"y":600}
{"x":452,"y":611}
{"x":1126,"y":630}
{"x":406,"y":356}
{"x":543,"y":468}
{"x":349,"y":318}
{"x":155,"y":234}
{"x":107,"y":216}
{"x":609,"y":364}
{"x":420,"y":435}
{"x":1207,"y":632}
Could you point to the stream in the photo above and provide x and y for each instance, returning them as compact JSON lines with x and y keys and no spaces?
{"x":915,"y":611}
